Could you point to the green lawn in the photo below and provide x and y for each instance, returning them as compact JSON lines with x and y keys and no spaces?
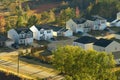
{"x":5,"y":49}
{"x":97,"y":33}
{"x":42,"y":42}
{"x":116,"y":29}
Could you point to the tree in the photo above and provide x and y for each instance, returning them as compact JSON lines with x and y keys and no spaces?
{"x":32,"y":21}
{"x":27,"y":8}
{"x":77,"y":12}
{"x":84,"y":65}
{"x":65,"y":15}
{"x":20,"y":22}
{"x":51,"y":16}
{"x":2,"y":24}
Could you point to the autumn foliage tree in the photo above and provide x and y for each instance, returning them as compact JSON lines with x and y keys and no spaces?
{"x":2,"y":24}
{"x":79,"y":64}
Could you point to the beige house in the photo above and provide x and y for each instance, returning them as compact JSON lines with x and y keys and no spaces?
{"x":79,"y":25}
{"x":106,"y":45}
{"x":85,"y":42}
{"x":98,"y":22}
{"x":117,"y":57}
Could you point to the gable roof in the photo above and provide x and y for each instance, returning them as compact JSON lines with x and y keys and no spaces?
{"x":103,"y":42}
{"x":95,"y":17}
{"x":86,"y":39}
{"x":56,"y":28}
{"x":48,"y":27}
{"x":79,"y":20}
{"x":19,"y":30}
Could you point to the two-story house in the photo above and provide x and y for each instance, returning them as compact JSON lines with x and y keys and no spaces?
{"x":41,"y":32}
{"x":116,"y":22}
{"x":85,"y":42}
{"x":106,"y":45}
{"x":78,"y":25}
{"x":21,"y":36}
{"x":4,"y":41}
{"x":98,"y":23}
{"x":61,"y":31}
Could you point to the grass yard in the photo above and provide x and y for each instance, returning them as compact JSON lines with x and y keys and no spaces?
{"x":97,"y":33}
{"x":5,"y":49}
{"x":116,"y":29}
{"x":42,"y":42}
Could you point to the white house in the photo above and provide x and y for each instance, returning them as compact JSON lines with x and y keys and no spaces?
{"x":78,"y":25}
{"x":98,"y":23}
{"x":4,"y":41}
{"x":118,"y":15}
{"x":60,"y":31}
{"x":67,"y":32}
{"x":85,"y":42}
{"x":41,"y":32}
{"x":21,"y":35}
{"x":116,"y":22}
{"x":106,"y":45}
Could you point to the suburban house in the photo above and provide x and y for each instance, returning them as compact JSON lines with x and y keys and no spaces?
{"x":118,"y":15}
{"x":116,"y":22}
{"x":61,"y":31}
{"x":117,"y":35}
{"x":21,"y":36}
{"x":117,"y":57}
{"x":4,"y":41}
{"x":98,"y":23}
{"x":41,"y":32}
{"x":106,"y":45}
{"x":85,"y":42}
{"x":78,"y":25}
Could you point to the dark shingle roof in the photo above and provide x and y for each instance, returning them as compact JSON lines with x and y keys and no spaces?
{"x":3,"y":38}
{"x":19,"y":30}
{"x":116,"y":55}
{"x":95,"y":17}
{"x":47,"y":27}
{"x":86,"y":39}
{"x":79,"y":20}
{"x":64,"y":30}
{"x":55,"y":28}
{"x":103,"y":42}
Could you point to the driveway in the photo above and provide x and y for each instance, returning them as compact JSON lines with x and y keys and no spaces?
{"x":53,"y":45}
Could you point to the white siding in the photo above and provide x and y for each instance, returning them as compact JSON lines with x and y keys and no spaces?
{"x":68,"y":33}
{"x":12,"y":34}
{"x":35,"y":32}
{"x":71,"y":25}
{"x":118,"y":15}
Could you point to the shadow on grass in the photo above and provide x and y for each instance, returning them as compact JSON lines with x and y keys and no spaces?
{"x":35,"y":61}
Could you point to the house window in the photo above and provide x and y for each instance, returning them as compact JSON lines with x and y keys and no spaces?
{"x":115,"y":48}
{"x":48,"y":31}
